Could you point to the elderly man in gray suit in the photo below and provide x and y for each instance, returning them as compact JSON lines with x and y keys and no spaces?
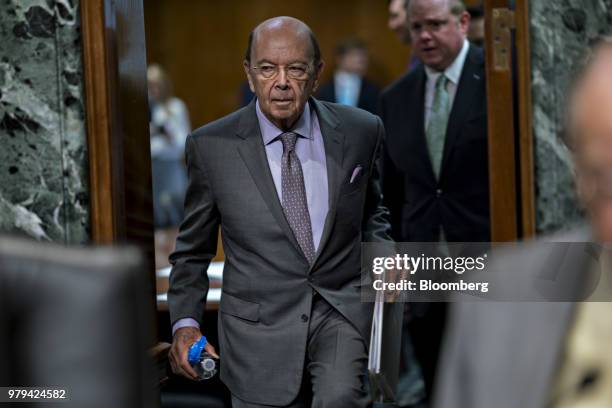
{"x":548,"y":354}
{"x":294,"y":186}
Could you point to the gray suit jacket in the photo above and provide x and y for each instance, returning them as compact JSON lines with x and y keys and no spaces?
{"x":504,"y":354}
{"x":267,"y":281}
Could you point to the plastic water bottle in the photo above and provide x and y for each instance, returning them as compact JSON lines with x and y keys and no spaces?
{"x":202,"y":362}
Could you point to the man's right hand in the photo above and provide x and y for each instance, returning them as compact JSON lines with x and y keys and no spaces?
{"x":183,"y":339}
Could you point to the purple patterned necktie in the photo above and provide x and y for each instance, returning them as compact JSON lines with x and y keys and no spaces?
{"x":294,"y":201}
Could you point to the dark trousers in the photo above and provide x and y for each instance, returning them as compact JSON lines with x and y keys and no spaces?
{"x":336,"y":363}
{"x":426,"y":328}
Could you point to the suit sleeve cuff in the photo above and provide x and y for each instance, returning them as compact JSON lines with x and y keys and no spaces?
{"x":185,"y":322}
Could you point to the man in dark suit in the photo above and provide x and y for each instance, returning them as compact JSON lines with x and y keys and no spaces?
{"x":294,"y":186}
{"x":435,"y":173}
{"x":349,"y":85}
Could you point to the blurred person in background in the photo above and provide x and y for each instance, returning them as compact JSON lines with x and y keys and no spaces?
{"x":169,"y":126}
{"x":397,"y":20}
{"x":435,"y":161}
{"x":547,"y":354}
{"x":349,"y":86}
{"x":476,"y":32}
{"x":398,"y":23}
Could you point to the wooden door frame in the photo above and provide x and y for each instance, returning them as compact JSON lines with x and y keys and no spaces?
{"x":511,"y":175}
{"x":107,"y":209}
{"x":119,"y":157}
{"x":114,"y":67}
{"x":525,"y":116}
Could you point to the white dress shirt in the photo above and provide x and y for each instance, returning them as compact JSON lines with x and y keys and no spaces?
{"x":347,"y":87}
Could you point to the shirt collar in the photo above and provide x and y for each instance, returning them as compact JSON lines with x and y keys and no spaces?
{"x":345,"y":76}
{"x":453,"y":71}
{"x":269,"y":131}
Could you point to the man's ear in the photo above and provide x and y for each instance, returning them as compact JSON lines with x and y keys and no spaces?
{"x":317,"y":75}
{"x":247,"y":71}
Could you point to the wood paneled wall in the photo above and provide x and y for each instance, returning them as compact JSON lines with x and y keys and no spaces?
{"x":201,"y":43}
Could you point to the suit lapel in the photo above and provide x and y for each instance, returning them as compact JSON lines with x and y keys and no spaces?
{"x":471,"y":79}
{"x":333,"y":141}
{"x":253,"y":153}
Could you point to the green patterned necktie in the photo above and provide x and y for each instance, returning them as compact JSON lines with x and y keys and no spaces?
{"x":438,"y":120}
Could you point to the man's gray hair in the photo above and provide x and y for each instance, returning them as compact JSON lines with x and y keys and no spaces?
{"x":457,"y":7}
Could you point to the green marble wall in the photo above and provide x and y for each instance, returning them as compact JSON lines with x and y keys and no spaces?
{"x":561,"y":31}
{"x":43,"y":158}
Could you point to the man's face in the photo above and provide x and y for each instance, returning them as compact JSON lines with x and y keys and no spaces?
{"x":154,"y":89}
{"x":397,"y":20}
{"x":282,"y":48}
{"x":437,"y":34}
{"x":354,"y":61}
{"x":592,"y":130}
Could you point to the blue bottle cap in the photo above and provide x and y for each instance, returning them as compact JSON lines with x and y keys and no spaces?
{"x":195,"y":351}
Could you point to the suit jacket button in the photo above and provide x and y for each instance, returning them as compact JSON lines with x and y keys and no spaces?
{"x":304,"y":318}
{"x":438,"y":192}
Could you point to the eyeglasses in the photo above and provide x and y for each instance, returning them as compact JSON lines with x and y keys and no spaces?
{"x":298,"y":72}
{"x":431,"y":26}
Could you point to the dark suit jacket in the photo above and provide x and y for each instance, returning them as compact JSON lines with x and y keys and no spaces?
{"x":459,"y":200}
{"x":267,"y":281}
{"x":368,"y":95}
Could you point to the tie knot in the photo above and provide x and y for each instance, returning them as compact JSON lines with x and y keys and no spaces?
{"x":441,"y":82}
{"x":289,"y":139}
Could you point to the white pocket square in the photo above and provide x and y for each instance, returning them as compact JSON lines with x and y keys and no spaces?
{"x":356,"y":173}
